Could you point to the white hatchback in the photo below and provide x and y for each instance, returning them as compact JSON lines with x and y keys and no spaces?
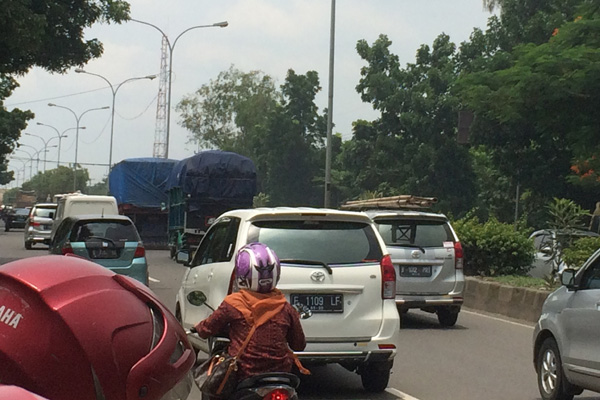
{"x":333,"y":261}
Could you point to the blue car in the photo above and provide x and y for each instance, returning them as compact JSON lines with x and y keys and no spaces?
{"x":109,"y":240}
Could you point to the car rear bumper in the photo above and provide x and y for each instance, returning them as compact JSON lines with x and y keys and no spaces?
{"x":429,"y":301}
{"x":33,"y":235}
{"x":330,"y":357}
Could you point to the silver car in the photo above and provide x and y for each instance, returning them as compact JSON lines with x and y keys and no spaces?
{"x":548,"y":245}
{"x":566,"y":350}
{"x":39,"y":224}
{"x":428,"y":259}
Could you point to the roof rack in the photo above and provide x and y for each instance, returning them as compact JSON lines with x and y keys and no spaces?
{"x":401,"y":202}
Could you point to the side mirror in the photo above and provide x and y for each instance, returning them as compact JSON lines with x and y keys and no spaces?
{"x":196,"y":298}
{"x":183,"y":257}
{"x":51,"y":215}
{"x":546,"y":250}
{"x":567,"y":278}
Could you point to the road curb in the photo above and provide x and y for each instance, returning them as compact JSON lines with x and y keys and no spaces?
{"x":514,"y":302}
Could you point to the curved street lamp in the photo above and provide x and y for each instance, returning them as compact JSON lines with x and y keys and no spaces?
{"x":77,"y":118}
{"x":171,"y":48}
{"x":60,"y":137}
{"x":45,"y":145}
{"x":37,"y":155}
{"x":114,"y":95}
{"x":30,"y":161}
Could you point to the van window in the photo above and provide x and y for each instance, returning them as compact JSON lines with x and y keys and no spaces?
{"x":422,"y":233}
{"x":90,"y":207}
{"x":332,"y":242}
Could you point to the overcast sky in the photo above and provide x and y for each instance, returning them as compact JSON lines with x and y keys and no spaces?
{"x":267,"y":35}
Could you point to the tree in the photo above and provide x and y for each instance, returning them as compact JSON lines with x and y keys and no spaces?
{"x":537,"y":113}
{"x":56,"y":181}
{"x":411,"y":148}
{"x":293,"y":147}
{"x":231,"y":111}
{"x":280,"y":130}
{"x":47,"y":34}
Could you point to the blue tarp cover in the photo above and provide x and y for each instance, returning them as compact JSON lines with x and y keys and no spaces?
{"x":141,"y":182}
{"x":215,"y":175}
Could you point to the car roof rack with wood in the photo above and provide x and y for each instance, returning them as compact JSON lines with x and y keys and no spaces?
{"x":401,"y":202}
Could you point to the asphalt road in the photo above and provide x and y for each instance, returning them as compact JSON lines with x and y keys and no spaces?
{"x":482,"y":357}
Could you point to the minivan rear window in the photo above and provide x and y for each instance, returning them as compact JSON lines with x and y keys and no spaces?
{"x":331,"y":242}
{"x":117,"y":231}
{"x":44,"y":212}
{"x":424,"y":233}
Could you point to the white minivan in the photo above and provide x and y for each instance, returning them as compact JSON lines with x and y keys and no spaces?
{"x":80,"y":204}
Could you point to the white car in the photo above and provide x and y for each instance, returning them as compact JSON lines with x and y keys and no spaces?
{"x":334,"y":262}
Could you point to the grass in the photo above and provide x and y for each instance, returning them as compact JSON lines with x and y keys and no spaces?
{"x":524,"y":281}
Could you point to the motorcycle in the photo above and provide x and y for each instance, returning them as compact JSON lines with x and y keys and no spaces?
{"x":266,"y":386}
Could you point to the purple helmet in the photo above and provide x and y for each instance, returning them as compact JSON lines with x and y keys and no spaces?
{"x":257,"y":268}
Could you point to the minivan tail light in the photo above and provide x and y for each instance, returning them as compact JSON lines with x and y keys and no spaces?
{"x":139,"y":251}
{"x":388,"y":278}
{"x":35,"y":224}
{"x":67,"y":249}
{"x":458,"y":256}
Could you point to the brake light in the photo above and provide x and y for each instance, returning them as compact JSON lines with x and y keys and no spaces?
{"x":388,"y":278}
{"x":277,"y":394}
{"x":35,"y":224}
{"x":139,"y":251}
{"x":67,"y":249}
{"x":458,"y":256}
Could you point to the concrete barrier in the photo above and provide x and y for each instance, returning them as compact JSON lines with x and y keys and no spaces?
{"x":514,"y":302}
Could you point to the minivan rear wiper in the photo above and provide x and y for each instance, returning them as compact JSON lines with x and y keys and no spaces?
{"x":412,"y":246}
{"x":308,"y":262}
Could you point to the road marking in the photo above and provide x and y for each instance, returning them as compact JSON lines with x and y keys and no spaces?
{"x":401,"y":395}
{"x":499,"y":319}
{"x":154,"y":280}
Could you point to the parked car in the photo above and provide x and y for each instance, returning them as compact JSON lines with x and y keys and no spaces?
{"x":39,"y":224}
{"x":111,"y":241}
{"x":16,"y":219}
{"x":333,"y":261}
{"x":428,"y":259}
{"x":548,"y":244}
{"x":566,"y":355}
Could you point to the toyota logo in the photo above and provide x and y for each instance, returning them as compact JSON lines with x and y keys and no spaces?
{"x":317,"y":276}
{"x":416,"y":254}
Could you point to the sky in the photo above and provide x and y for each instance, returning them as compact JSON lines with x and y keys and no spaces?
{"x":271,"y":36}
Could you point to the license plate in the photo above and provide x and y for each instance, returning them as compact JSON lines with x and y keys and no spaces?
{"x":320,"y":303}
{"x":415,"y":271}
{"x":104,"y":253}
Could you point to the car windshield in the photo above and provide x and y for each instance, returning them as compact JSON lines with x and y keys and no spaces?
{"x":331,"y":242}
{"x":118,"y":231}
{"x":22,"y":211}
{"x":423,"y":233}
{"x":43,"y":212}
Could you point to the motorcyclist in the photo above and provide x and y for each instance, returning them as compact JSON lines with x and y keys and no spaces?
{"x":257,"y":271}
{"x":72,"y":329}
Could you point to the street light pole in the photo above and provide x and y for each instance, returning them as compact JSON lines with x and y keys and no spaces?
{"x":45,"y":145}
{"x":30,"y":162}
{"x":327,"y":200}
{"x":171,"y":48}
{"x":77,"y":118}
{"x":114,"y":96}
{"x":60,"y":137}
{"x":37,"y":155}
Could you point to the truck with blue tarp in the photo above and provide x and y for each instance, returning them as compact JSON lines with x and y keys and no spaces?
{"x":202,"y":187}
{"x":139,"y":185}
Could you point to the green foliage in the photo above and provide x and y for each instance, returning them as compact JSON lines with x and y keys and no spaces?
{"x":260,"y":200}
{"x":10,"y":196}
{"x":412,"y":147}
{"x":280,"y":130}
{"x":580,"y":251}
{"x":565,"y":215}
{"x":56,"y":181}
{"x":522,"y":281}
{"x":494,"y":248}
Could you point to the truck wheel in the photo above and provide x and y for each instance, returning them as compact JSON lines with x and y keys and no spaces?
{"x":375,"y":376}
